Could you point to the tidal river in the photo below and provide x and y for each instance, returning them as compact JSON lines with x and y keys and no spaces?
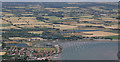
{"x":88,"y":51}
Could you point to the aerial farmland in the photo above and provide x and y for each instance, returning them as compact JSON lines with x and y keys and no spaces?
{"x":38,"y":26}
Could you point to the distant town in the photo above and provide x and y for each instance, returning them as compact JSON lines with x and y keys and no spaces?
{"x":32,"y":31}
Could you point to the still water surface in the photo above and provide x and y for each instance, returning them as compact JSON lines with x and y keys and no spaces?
{"x":88,"y":51}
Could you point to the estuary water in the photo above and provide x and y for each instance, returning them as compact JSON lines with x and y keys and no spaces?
{"x":88,"y":51}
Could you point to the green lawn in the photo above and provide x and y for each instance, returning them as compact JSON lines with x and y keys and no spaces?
{"x":114,"y":37}
{"x":5,"y":25}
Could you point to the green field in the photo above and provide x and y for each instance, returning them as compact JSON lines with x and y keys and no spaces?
{"x":5,"y":25}
{"x":44,"y":48}
{"x":113,"y":37}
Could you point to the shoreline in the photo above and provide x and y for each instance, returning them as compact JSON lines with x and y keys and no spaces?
{"x":67,"y":44}
{"x":95,"y":40}
{"x":62,"y":42}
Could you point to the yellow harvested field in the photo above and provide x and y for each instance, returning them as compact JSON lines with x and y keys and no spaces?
{"x":87,"y":24}
{"x":12,"y":18}
{"x":4,"y":22}
{"x":48,"y":26}
{"x":36,"y":38}
{"x":45,"y":49}
{"x":98,"y":9}
{"x":0,"y":45}
{"x":8,"y":10}
{"x":27,"y":26}
{"x":88,"y":16}
{"x":28,"y":43}
{"x":40,"y":22}
{"x":19,"y":23}
{"x":29,"y":17}
{"x":76,"y":34}
{"x":50,"y":8}
{"x":52,"y":17}
{"x":9,"y":27}
{"x":67,"y":36}
{"x":81,"y":19}
{"x":89,"y":29}
{"x":84,"y":9}
{"x":35,"y":32}
{"x":9,"y":14}
{"x":98,"y":34}
{"x":72,"y":3}
{"x":112,"y":27}
{"x":27,"y":22}
{"x":26,"y":14}
{"x":109,"y":19}
{"x":19,"y":7}
{"x":20,"y":38}
{"x":2,"y":53}
{"x":17,"y":38}
{"x":21,"y":18}
{"x":71,"y":7}
{"x":10,"y":42}
{"x":62,"y":27}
